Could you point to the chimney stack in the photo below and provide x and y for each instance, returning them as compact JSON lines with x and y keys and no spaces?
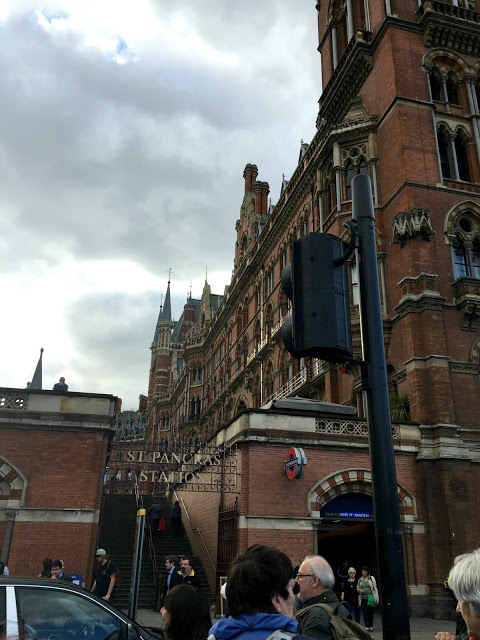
{"x":250,"y":174}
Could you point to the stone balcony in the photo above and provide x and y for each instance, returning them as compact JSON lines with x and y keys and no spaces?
{"x":447,"y":26}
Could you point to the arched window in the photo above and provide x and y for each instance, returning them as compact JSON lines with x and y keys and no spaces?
{"x":268,"y":381}
{"x":436,"y":86}
{"x":363,"y":168}
{"x":452,"y":91}
{"x":466,"y":245}
{"x":349,"y":175}
{"x":462,"y":160}
{"x":444,"y":152}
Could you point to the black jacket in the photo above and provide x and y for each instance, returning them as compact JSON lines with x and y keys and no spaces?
{"x":174,"y":580}
{"x":315,"y":622}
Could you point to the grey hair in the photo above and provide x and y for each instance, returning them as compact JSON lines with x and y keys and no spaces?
{"x":320,"y":567}
{"x":351,"y":570}
{"x":464,"y":580}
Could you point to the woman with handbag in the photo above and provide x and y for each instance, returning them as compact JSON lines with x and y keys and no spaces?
{"x":367,"y":597}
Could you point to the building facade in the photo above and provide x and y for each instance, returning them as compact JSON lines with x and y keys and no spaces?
{"x":400,"y":102}
{"x":54,"y":448}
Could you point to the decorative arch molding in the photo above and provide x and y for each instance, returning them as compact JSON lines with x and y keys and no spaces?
{"x":434,"y":57}
{"x":475,"y":352}
{"x":461,"y":207}
{"x":241,"y":404}
{"x":355,"y":481}
{"x":13,"y":485}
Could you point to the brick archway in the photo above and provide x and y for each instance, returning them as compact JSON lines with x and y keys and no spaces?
{"x":354,"y":481}
{"x":13,"y":485}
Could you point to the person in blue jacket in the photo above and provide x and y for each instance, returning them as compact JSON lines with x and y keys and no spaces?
{"x":260,"y":597}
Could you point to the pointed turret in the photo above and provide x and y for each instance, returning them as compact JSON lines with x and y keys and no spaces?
{"x":36,"y":382}
{"x":167,"y":307}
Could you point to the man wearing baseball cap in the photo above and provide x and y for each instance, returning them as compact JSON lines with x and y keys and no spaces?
{"x":104,"y":576}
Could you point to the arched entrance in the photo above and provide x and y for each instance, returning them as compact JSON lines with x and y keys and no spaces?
{"x":343,"y":504}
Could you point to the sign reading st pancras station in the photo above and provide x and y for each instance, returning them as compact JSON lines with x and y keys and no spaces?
{"x":176,"y":465}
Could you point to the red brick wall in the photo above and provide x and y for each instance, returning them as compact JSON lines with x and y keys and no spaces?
{"x":64,"y":470}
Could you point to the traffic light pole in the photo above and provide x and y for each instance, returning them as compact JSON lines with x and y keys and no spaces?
{"x":393,"y":591}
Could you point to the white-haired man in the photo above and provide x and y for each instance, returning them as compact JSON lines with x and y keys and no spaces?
{"x":464,"y":581}
{"x":316,"y":581}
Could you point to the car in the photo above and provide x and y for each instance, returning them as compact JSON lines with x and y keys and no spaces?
{"x":42,"y":609}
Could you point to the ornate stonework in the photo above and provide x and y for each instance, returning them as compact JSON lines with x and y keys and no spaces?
{"x":411,"y":224}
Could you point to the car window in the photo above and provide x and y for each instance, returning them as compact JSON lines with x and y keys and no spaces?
{"x":57,"y":614}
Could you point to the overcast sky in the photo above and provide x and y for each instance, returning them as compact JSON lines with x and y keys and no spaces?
{"x":124,"y":131}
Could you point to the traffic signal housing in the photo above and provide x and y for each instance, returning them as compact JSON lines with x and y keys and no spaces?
{"x":316,"y":281}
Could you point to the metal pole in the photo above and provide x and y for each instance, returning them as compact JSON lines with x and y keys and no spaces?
{"x":393,"y":592}
{"x":137,"y":564}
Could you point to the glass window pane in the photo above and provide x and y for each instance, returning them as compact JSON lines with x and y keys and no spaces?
{"x":348,"y":181}
{"x":56,"y":614}
{"x":461,"y":263}
{"x":444,"y":156}
{"x":462,"y":160}
{"x":476,"y":259}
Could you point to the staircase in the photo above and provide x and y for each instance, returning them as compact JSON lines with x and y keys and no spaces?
{"x":117,"y":537}
{"x":175,"y":542}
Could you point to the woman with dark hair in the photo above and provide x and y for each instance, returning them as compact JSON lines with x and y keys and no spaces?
{"x":367,"y":597}
{"x":47,"y":568}
{"x":185,"y":613}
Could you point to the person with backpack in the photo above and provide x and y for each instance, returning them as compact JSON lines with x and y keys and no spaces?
{"x":316,"y":581}
{"x":260,"y":597}
{"x":105,"y":576}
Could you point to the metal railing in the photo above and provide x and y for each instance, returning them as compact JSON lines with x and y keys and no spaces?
{"x":195,"y":529}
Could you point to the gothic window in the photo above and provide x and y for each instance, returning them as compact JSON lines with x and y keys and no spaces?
{"x":462,"y":161}
{"x":349,"y":174}
{"x":466,"y":246}
{"x":268,"y":283}
{"x":283,"y":261}
{"x":444,"y":152}
{"x":268,"y":321}
{"x":268,"y":380}
{"x":436,"y":86}
{"x":452,"y":92}
{"x":452,"y":148}
{"x":257,"y":334}
{"x":243,"y":247}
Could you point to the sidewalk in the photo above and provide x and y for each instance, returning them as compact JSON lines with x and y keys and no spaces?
{"x":420,"y":628}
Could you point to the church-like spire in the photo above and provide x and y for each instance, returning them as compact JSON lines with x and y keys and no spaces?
{"x":36,"y":382}
{"x":165,"y":312}
{"x":167,"y":307}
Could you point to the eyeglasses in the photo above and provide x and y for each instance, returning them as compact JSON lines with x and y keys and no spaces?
{"x":304,"y":575}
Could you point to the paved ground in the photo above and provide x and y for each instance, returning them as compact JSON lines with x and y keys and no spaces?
{"x":420,"y":628}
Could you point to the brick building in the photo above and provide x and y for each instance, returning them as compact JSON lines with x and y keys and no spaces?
{"x":401,"y":103}
{"x":52,"y":462}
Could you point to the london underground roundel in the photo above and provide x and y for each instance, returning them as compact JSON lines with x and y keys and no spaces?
{"x":295,"y":463}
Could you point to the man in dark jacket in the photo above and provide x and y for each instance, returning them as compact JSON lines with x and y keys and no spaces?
{"x":173,"y":578}
{"x":316,"y":581}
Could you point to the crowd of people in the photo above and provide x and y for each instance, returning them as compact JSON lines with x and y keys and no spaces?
{"x":269,"y":600}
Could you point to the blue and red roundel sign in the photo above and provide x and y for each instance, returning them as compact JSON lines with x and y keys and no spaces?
{"x":295,"y":463}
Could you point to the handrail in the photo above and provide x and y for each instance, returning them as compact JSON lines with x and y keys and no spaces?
{"x":195,"y":529}
{"x":138,"y":497}
{"x":153,"y":562}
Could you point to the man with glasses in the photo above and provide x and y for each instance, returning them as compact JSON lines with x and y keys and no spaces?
{"x":316,"y":580}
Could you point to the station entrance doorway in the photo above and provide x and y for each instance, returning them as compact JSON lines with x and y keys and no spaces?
{"x":346,"y":533}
